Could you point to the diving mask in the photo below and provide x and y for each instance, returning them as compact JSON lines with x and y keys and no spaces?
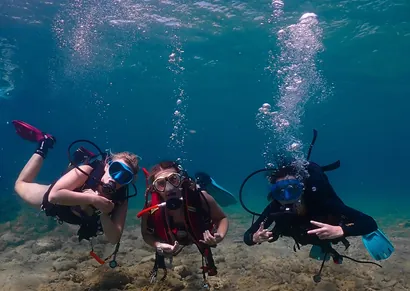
{"x":286,"y":191}
{"x":120,"y":173}
{"x":174,"y":180}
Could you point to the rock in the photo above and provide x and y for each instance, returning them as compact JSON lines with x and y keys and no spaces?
{"x":5,"y":227}
{"x":219,"y":259}
{"x":15,"y":257}
{"x":390,"y":284}
{"x":175,"y":285}
{"x":46,"y":245}
{"x":132,"y":255}
{"x":64,"y":276}
{"x":3,"y":245}
{"x":65,"y":285}
{"x":25,"y":251}
{"x":132,"y":235}
{"x":110,"y":280}
{"x":63,"y":264}
{"x":235,"y":265}
{"x":326,"y":286}
{"x":296,"y":268}
{"x":12,"y":239}
{"x":150,"y":258}
{"x":71,"y":276}
{"x":28,"y":282}
{"x":183,"y":271}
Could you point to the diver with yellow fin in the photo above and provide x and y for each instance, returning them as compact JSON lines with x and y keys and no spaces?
{"x":92,"y":192}
{"x":305,"y":207}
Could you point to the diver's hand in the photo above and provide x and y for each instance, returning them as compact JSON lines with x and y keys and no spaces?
{"x":211,"y":240}
{"x":103,"y":204}
{"x":167,"y":248}
{"x":262,"y":235}
{"x":90,"y":192}
{"x":326,"y":231}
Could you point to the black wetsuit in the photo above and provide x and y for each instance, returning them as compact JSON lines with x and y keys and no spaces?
{"x":321,"y":204}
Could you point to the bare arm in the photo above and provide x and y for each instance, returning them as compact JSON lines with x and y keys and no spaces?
{"x":114,"y":226}
{"x":217,"y":215}
{"x":62,"y":192}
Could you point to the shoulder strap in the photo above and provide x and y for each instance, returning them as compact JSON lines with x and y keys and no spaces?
{"x":197,"y":218}
{"x":157,"y":221}
{"x":89,"y":225}
{"x":95,"y":175}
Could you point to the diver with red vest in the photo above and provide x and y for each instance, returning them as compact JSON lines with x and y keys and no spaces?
{"x":92,"y":192}
{"x":178,"y":214}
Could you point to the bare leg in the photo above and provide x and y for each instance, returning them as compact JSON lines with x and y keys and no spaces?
{"x":30,"y":192}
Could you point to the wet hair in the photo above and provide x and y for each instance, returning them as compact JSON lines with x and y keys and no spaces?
{"x":288,"y":170}
{"x":131,"y":159}
{"x":288,"y":167}
{"x":164,"y":165}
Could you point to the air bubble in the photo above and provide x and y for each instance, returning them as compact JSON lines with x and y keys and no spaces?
{"x":298,"y":79}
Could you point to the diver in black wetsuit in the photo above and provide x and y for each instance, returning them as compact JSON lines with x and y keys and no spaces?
{"x":309,"y":212}
{"x":305,"y":207}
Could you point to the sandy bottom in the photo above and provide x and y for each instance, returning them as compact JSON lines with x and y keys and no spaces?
{"x":38,"y":254}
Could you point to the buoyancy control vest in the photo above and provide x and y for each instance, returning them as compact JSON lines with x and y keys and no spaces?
{"x":196,"y":221}
{"x":90,"y":225}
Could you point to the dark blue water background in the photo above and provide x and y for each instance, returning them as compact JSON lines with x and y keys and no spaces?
{"x":88,"y":69}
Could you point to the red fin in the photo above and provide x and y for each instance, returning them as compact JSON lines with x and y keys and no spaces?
{"x":27,"y":131}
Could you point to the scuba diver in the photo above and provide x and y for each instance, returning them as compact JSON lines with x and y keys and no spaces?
{"x":91,"y":193}
{"x":178,"y":214}
{"x":305,"y":207}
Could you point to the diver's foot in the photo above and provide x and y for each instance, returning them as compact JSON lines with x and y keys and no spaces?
{"x":47,"y":142}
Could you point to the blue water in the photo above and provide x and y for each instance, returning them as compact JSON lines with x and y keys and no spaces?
{"x":105,"y":72}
